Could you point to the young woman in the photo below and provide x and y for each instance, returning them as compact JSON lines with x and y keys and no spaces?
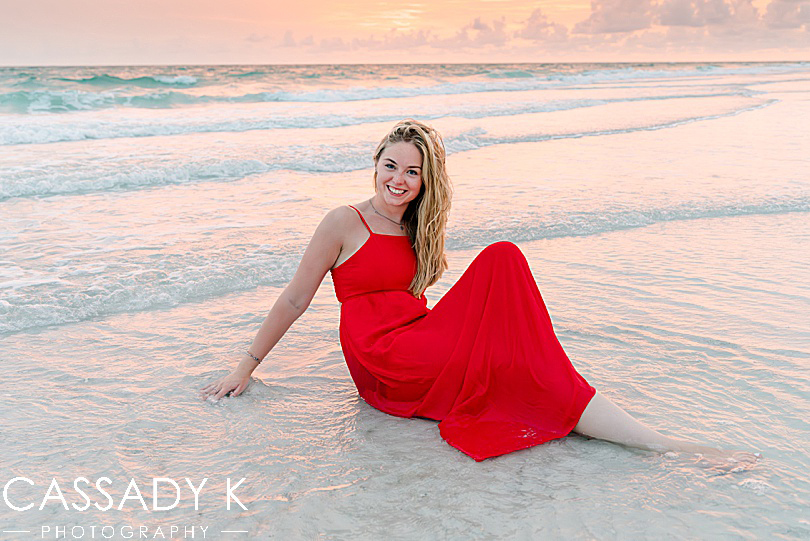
{"x":484,"y":361}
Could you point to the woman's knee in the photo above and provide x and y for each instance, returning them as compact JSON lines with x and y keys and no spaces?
{"x":502,"y":246}
{"x":503,"y":250}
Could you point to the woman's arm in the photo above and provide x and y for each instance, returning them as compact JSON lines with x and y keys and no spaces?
{"x":318,"y":258}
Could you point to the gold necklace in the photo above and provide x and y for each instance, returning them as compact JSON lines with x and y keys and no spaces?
{"x":401,"y":227}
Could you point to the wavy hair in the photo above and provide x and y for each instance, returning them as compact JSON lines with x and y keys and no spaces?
{"x":425,"y":219}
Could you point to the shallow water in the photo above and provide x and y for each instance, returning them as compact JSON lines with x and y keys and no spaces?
{"x":662,"y":209}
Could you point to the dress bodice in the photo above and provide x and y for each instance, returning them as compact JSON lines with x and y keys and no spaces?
{"x":383,"y":263}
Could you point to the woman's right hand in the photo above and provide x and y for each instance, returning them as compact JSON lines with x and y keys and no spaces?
{"x":233,"y":384}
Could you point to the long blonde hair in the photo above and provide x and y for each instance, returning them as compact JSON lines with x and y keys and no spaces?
{"x":425,"y":219}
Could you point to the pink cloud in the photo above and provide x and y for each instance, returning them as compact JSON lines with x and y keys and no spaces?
{"x":635,"y":27}
{"x":694,"y":12}
{"x":478,"y":33}
{"x":288,"y":40}
{"x":612,"y":16}
{"x":788,"y":14}
{"x":539,"y":28}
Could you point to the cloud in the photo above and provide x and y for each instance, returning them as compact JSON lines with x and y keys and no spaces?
{"x":736,"y":22}
{"x":539,"y":28}
{"x":630,"y":29}
{"x":398,"y":39}
{"x":744,"y":13}
{"x":478,"y":33}
{"x":612,"y":16}
{"x":256,"y":38}
{"x":288,"y":40}
{"x":620,"y":16}
{"x":694,"y":12}
{"x":788,"y":14}
{"x":333,"y":44}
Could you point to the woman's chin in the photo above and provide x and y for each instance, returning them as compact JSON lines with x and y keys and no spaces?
{"x":395,"y":201}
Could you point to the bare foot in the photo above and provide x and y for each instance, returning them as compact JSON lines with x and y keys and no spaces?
{"x":725,"y":462}
{"x":719,"y":461}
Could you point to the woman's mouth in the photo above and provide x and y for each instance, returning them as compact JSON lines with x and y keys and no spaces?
{"x":394,"y":191}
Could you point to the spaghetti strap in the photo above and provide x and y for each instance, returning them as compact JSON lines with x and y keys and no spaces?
{"x":363,"y":219}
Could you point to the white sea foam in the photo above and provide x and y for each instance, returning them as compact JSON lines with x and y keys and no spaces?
{"x":574,"y":224}
{"x":757,"y":486}
{"x":123,"y":92}
{"x":59,"y":128}
{"x":176,"y":79}
{"x":126,"y":287}
{"x":22,"y":181}
{"x":105,"y":285}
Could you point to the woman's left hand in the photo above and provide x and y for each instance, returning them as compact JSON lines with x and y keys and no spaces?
{"x":233,"y":384}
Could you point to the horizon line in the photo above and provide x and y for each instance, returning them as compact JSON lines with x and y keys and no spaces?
{"x":400,"y":63}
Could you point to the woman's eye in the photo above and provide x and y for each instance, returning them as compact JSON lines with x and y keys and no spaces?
{"x":414,"y":171}
{"x":389,"y":165}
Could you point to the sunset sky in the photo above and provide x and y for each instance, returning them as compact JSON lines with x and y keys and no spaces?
{"x":121,"y":32}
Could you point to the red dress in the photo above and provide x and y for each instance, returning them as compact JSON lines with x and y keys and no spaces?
{"x":484,"y":361}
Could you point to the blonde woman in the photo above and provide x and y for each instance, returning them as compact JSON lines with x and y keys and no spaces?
{"x":485,"y":361}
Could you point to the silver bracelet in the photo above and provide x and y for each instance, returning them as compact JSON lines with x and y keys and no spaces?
{"x":252,"y":356}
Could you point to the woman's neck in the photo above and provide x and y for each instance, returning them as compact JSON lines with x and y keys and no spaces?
{"x":392,"y":212}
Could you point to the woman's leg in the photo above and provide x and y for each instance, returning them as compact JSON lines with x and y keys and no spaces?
{"x":605,"y":420}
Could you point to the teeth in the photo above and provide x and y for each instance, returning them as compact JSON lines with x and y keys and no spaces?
{"x":394,"y":190}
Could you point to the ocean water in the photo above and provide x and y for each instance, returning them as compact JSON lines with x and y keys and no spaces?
{"x":149,"y":217}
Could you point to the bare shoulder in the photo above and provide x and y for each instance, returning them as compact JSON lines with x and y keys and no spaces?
{"x":338,"y":221}
{"x":342,"y":215}
{"x":341,"y":223}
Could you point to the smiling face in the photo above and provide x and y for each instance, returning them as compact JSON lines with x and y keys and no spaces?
{"x":399,"y":174}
